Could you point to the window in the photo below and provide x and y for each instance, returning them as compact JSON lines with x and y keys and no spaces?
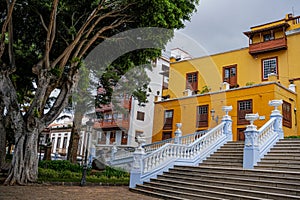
{"x":244,"y":107}
{"x":287,"y":114}
{"x":65,"y":142}
{"x":101,"y":137}
{"x":168,"y":119}
{"x":140,"y":116}
{"x":202,"y":116}
{"x":58,"y":142}
{"x":192,"y":81}
{"x":112,"y":137}
{"x":268,"y":37}
{"x":269,"y":66}
{"x":138,"y":133}
{"x":165,"y":68}
{"x":229,"y":75}
{"x":166,"y":135}
{"x":124,"y":138}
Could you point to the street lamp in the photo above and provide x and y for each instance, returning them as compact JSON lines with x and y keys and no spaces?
{"x":89,"y":127}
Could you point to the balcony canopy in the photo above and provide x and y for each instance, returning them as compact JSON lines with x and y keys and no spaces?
{"x":251,"y":33}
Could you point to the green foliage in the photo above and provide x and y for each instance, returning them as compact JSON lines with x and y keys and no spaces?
{"x":110,"y":172}
{"x":250,"y":83}
{"x":60,"y":165}
{"x":67,"y":172}
{"x":48,"y":173}
{"x":205,"y":89}
{"x":292,"y":136}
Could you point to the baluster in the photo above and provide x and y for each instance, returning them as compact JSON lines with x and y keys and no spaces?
{"x":159,"y":158}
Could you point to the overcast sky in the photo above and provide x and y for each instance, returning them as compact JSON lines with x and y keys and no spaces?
{"x":218,"y":25}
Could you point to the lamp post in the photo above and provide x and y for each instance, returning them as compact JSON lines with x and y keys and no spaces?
{"x":89,"y":126}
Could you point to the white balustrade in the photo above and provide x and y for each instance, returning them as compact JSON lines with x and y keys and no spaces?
{"x":180,"y":151}
{"x":259,"y":142}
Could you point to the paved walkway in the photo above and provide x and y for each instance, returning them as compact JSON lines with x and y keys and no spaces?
{"x":50,"y":192}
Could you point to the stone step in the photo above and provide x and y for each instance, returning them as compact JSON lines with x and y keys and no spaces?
{"x":285,"y":150}
{"x":197,"y":182}
{"x":186,"y":193}
{"x":259,"y":173}
{"x":155,"y":193}
{"x":166,"y":193}
{"x":219,"y":191}
{"x":222,"y":159}
{"x":280,"y":167}
{"x":233,"y":145}
{"x":282,"y":157}
{"x":224,"y":163}
{"x":280,"y":161}
{"x":254,"y":177}
{"x":225,"y":152}
{"x":282,"y":183}
{"x":284,"y":154}
{"x":279,"y":144}
{"x":289,"y":140}
{"x":225,"y":156}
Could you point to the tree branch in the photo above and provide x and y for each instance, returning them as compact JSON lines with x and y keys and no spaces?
{"x":10,"y":7}
{"x":50,"y":33}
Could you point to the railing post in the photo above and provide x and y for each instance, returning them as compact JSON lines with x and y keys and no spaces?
{"x":228,"y":122}
{"x":178,"y":134}
{"x":278,"y":117}
{"x":251,"y":149}
{"x":113,"y":151}
{"x":137,"y":168}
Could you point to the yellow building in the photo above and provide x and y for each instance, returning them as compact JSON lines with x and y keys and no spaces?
{"x":247,"y":79}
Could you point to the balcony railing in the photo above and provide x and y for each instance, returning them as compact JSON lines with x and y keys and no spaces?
{"x":110,"y":123}
{"x":270,"y":45}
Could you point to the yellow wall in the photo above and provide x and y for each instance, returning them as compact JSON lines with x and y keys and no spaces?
{"x":249,"y":69}
{"x":185,"y":108}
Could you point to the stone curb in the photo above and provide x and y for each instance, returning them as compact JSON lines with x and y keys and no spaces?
{"x":78,"y":184}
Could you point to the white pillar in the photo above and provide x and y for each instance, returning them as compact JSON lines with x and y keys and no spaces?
{"x":107,"y":137}
{"x":251,"y":149}
{"x":118,"y":137}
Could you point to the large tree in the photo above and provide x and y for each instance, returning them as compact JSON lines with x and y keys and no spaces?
{"x":42,"y":47}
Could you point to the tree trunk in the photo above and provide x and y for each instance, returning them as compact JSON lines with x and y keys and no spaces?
{"x":2,"y":142}
{"x":73,"y":145}
{"x":24,"y":163}
{"x":24,"y":168}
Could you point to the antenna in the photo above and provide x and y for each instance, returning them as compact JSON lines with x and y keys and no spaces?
{"x":293,"y":10}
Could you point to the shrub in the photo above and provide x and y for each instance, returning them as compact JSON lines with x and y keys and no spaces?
{"x":60,"y":165}
{"x":48,"y":173}
{"x":114,"y":172}
{"x":67,"y":174}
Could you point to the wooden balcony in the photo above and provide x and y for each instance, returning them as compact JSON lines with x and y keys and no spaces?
{"x":111,"y":124}
{"x":270,"y":45}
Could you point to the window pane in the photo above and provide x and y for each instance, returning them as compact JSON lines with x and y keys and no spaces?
{"x":269,"y":66}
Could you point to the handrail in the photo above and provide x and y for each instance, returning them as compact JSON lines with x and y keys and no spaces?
{"x":259,"y":142}
{"x":146,"y":166}
{"x":266,"y":135}
{"x":186,"y":139}
{"x":179,"y":152}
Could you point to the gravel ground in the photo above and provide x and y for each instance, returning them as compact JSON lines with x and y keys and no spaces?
{"x":51,"y":192}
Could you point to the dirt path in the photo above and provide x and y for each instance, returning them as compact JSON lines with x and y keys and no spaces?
{"x":46,"y":192}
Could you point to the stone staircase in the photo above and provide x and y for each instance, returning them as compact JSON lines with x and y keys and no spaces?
{"x":284,"y":156}
{"x":221,"y":176}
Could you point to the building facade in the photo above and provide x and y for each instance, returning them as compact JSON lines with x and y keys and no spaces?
{"x":122,"y":128}
{"x":246,"y":78}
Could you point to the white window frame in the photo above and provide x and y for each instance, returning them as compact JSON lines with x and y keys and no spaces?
{"x":269,"y":66}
